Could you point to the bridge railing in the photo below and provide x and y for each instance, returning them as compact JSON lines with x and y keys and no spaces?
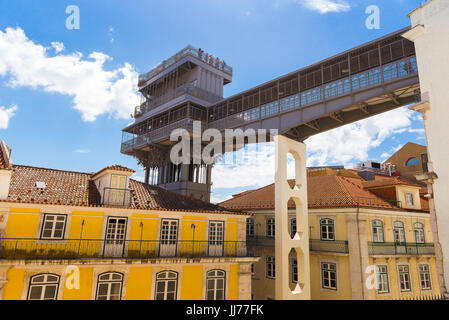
{"x":360,"y":81}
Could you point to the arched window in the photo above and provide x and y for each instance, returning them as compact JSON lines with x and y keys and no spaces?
{"x":419,"y":232}
{"x":399,"y":232}
{"x":216,"y":280}
{"x":43,"y":287}
{"x":378,"y":231}
{"x":166,"y":285}
{"x":412,"y":161}
{"x":327,"y":229}
{"x":109,"y":286}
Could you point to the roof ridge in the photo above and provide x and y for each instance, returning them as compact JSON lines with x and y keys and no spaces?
{"x":344,"y":187}
{"x":50,"y":169}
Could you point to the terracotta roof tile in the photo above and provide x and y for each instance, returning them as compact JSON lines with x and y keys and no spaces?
{"x":78,"y":189}
{"x":327,"y":191}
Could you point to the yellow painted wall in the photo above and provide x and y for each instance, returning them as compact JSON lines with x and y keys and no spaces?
{"x":22,"y":225}
{"x":234,"y":282}
{"x":14,"y":287}
{"x":192,"y":283}
{"x":85,"y":286}
{"x":187,"y":238}
{"x":139,"y":283}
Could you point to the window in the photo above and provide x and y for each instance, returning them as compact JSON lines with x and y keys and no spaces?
{"x":252,"y":269}
{"x":292,"y":227}
{"x":166,"y":285}
{"x":382,"y":279}
{"x":109,"y":286}
{"x":215,"y":285}
{"x":327,"y":229}
{"x":250,"y":227}
{"x":404,"y":278}
{"x":409,"y":199}
{"x":378,"y":231}
{"x":424,"y":277}
{"x":294,"y":268}
{"x":412,"y":161}
{"x":329,"y":275}
{"x":43,"y":287}
{"x":419,"y":233}
{"x":270,"y":227}
{"x":399,"y":233}
{"x":53,"y":226}
{"x":270,"y":267}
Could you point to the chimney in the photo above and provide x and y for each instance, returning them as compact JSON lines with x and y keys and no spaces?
{"x":5,"y":170}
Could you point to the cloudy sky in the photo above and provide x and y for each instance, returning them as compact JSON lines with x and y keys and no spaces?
{"x":66,"y":94}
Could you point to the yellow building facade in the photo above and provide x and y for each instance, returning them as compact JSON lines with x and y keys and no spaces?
{"x":362,"y":246}
{"x":71,"y":236}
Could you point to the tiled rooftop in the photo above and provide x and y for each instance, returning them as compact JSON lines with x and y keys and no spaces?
{"x":336,"y":190}
{"x":78,"y":189}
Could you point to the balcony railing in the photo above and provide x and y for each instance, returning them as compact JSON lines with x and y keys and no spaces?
{"x":392,"y":248}
{"x":117,"y":197}
{"x":20,"y":248}
{"x":336,"y":246}
{"x":315,"y":245}
{"x":189,"y":50}
{"x":181,"y":90}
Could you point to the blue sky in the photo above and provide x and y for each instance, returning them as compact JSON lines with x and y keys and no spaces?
{"x":66,"y":94}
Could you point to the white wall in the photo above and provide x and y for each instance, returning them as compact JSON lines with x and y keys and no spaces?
{"x":432,"y":50}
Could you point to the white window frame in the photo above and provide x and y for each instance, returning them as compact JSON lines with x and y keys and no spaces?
{"x":327,"y":231}
{"x":419,"y":232}
{"x":270,"y":267}
{"x":425,"y":273}
{"x":44,"y":285}
{"x":383,"y":284}
{"x":215,"y":276}
{"x":401,"y":228}
{"x":109,"y":282}
{"x":401,"y":278}
{"x":325,"y":274}
{"x":166,"y":280}
{"x":250,"y":227}
{"x":270,"y":229}
{"x":379,"y":231}
{"x":409,"y":200}
{"x":53,"y":228}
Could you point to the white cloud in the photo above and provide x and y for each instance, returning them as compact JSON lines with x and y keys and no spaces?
{"x":58,"y":46}
{"x":345,"y":145}
{"x":5,"y":115}
{"x":95,"y":91}
{"x":325,"y":6}
{"x":353,"y":141}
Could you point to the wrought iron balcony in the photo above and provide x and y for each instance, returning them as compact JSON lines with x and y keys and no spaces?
{"x":315,"y":245}
{"x":38,"y":249}
{"x":336,"y":246}
{"x":392,"y":248}
{"x":117,"y":197}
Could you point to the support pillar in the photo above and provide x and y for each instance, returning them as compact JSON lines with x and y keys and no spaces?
{"x":283,"y":241}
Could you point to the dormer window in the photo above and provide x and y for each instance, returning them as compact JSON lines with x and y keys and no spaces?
{"x":409,"y":199}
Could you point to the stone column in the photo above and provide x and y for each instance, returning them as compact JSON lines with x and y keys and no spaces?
{"x":283,"y":241}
